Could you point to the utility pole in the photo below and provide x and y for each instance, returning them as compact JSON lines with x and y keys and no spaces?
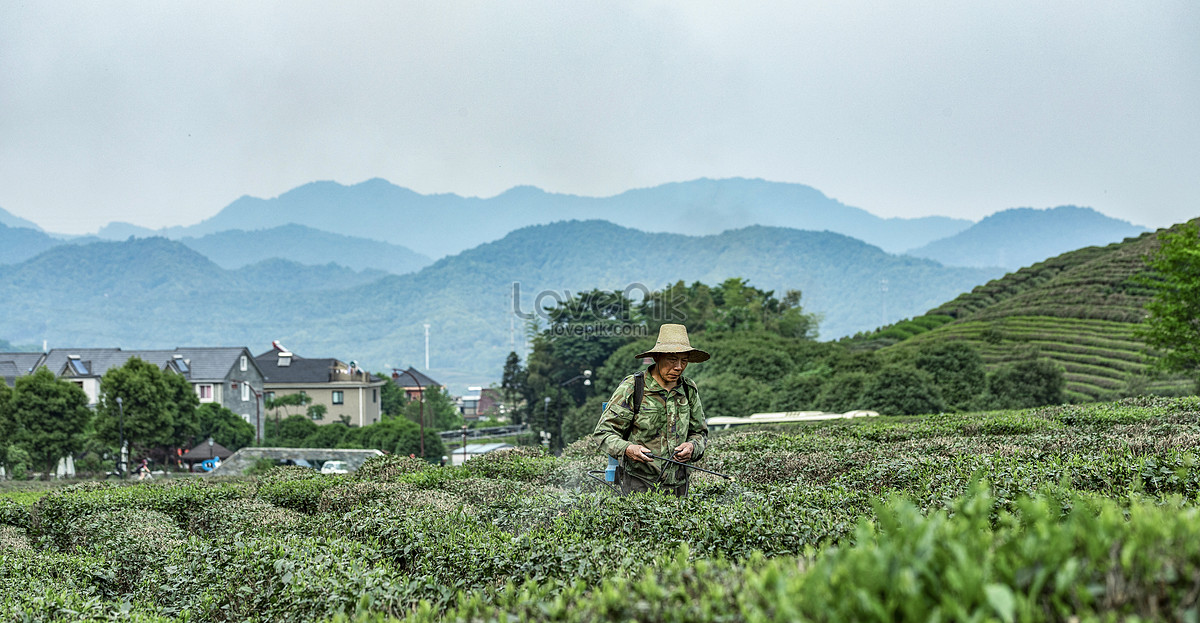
{"x":427,"y":348}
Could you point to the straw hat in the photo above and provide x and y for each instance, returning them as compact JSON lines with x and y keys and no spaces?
{"x":673,"y":338}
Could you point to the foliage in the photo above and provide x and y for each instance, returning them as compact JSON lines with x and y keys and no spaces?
{"x":580,"y":422}
{"x":1026,"y":384}
{"x":391,"y":396}
{"x":284,"y":403}
{"x":49,"y":417}
{"x":1084,"y":511}
{"x":1173,"y":322}
{"x":292,"y":431}
{"x":224,"y":426}
{"x":437,"y":407}
{"x":512,"y":385}
{"x":727,"y":394}
{"x":956,"y":369}
{"x":157,"y":410}
{"x":8,"y":427}
{"x":734,"y":305}
{"x":317,"y":412}
{"x":400,"y":436}
{"x":18,"y":462}
{"x":331,"y":435}
{"x":843,"y":392}
{"x":798,"y":391}
{"x":898,"y":390}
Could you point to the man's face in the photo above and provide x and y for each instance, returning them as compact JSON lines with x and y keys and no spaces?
{"x":670,"y":366}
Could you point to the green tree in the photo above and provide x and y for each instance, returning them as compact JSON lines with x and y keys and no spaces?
{"x":512,"y":386}
{"x":327,"y":436}
{"x":317,"y":413}
{"x":897,"y":390}
{"x":8,"y":427}
{"x":401,"y":436}
{"x":798,"y":391}
{"x":224,"y":426}
{"x":439,"y":410}
{"x":843,"y":391}
{"x":292,"y":431}
{"x":727,"y":394}
{"x":391,"y":397}
{"x":1173,"y":321}
{"x":1026,"y":384}
{"x":185,"y":420}
{"x":277,"y":405}
{"x":50,"y":417}
{"x":159,"y":408}
{"x":580,"y":422}
{"x":956,"y":369}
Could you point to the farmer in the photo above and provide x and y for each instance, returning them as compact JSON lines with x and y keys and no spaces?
{"x":669,"y":422}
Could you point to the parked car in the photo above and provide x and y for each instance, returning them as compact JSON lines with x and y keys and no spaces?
{"x":335,"y":467}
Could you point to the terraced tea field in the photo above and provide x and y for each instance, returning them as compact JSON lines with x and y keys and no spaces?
{"x":1102,"y":358}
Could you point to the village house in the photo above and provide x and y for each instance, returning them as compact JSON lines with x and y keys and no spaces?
{"x":348,"y":393}
{"x":228,"y":376}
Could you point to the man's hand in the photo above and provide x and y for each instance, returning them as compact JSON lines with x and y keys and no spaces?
{"x":638,"y":453}
{"x":683,"y":451}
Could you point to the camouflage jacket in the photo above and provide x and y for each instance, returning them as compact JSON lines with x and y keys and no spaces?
{"x":666,"y":419}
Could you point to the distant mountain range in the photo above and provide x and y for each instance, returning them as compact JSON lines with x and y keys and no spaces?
{"x":332,"y":269}
{"x":18,"y":244}
{"x":12,"y":220}
{"x":440,"y":225}
{"x":1021,"y":236}
{"x":143,"y":293}
{"x":376,"y":224}
{"x":237,"y":248}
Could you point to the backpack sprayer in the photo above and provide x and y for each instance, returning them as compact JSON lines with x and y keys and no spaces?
{"x":610,"y":472}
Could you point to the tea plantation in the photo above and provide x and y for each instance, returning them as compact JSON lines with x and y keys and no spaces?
{"x":1080,"y":310}
{"x":1072,"y":513}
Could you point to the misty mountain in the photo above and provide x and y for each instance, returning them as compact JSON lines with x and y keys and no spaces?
{"x":12,"y":220}
{"x":18,"y":244}
{"x":1023,"y":236}
{"x":287,"y":276}
{"x":443,"y":224}
{"x":237,"y":248}
{"x":118,"y":230}
{"x":156,"y":293}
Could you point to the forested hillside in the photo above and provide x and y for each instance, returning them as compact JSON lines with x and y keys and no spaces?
{"x":237,"y":248}
{"x":155,"y":293}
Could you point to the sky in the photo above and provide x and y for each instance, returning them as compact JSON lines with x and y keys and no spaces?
{"x":162,"y":113}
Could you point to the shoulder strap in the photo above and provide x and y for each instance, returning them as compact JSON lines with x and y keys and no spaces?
{"x":639,"y":390}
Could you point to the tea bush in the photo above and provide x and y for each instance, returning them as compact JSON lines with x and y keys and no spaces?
{"x":1081,"y":511}
{"x":385,"y":467}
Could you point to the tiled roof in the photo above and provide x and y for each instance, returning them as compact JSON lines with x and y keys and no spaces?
{"x":301,"y":370}
{"x":204,"y":364}
{"x":13,"y":365}
{"x":406,"y":378}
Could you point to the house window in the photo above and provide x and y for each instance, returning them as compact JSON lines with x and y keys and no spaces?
{"x":339,"y":398}
{"x":374,"y":395}
{"x":245,"y":391}
{"x":243,"y":364}
{"x":269,"y":396}
{"x":205,"y":392}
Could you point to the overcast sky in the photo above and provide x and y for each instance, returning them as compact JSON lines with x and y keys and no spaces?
{"x":162,"y":113}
